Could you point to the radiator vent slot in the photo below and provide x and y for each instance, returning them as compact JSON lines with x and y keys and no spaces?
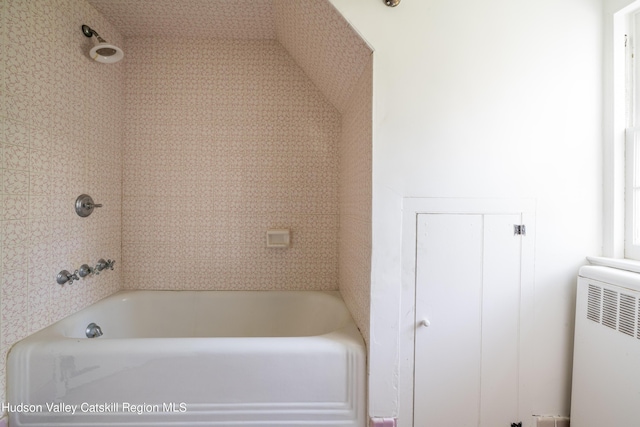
{"x":638,"y":318}
{"x":594,"y":303}
{"x":610,"y":309}
{"x":614,"y":310}
{"x":627,"y":320}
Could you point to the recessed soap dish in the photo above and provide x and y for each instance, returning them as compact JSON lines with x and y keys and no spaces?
{"x":278,"y":238}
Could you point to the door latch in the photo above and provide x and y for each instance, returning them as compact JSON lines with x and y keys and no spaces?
{"x":519,"y":230}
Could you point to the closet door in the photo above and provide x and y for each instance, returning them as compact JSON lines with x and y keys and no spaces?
{"x":467,"y":310}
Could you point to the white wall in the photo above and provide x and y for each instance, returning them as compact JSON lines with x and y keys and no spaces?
{"x":486,"y":99}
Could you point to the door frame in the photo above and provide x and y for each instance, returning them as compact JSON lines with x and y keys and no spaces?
{"x":411,"y":208}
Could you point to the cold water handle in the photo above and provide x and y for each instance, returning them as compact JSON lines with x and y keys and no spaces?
{"x":102,"y":265}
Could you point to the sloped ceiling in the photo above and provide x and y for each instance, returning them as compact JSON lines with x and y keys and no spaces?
{"x":323,"y":43}
{"x":314,"y":33}
{"x":218,"y":19}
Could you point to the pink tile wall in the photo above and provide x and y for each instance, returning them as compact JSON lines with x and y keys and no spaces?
{"x":354,"y":265}
{"x":324,"y":44}
{"x":224,"y":140}
{"x":339,"y":62}
{"x":60,"y":136}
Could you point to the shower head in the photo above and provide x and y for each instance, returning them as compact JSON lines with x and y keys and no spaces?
{"x":103,"y":51}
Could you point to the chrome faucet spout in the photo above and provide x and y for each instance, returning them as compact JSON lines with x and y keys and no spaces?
{"x":93,"y":331}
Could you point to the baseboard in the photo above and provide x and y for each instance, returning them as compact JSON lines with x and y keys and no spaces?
{"x":551,"y":421}
{"x":382,"y":422}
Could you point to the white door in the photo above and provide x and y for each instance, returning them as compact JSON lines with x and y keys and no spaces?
{"x":468,"y":278}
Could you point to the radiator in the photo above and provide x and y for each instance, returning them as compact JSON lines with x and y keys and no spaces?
{"x":606,"y":359}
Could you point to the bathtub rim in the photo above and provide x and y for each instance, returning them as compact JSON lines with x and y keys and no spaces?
{"x":55,"y":331}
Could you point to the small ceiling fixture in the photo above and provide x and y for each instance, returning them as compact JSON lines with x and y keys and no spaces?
{"x":392,"y":3}
{"x":103,"y":52}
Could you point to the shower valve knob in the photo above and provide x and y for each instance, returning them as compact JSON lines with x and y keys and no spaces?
{"x":85,"y":205}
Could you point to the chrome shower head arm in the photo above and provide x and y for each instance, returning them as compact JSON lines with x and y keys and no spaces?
{"x":88,"y":31}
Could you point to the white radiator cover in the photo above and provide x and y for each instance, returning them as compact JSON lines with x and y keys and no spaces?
{"x":606,"y":358}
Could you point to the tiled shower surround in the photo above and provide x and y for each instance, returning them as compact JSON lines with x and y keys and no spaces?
{"x":340,"y":64}
{"x":195,"y":146}
{"x":223,"y":141}
{"x":61,"y":118}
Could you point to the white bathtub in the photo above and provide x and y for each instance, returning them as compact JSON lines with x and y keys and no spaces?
{"x":201,"y":358}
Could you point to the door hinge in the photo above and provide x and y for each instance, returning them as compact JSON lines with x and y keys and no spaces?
{"x":519,"y":230}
